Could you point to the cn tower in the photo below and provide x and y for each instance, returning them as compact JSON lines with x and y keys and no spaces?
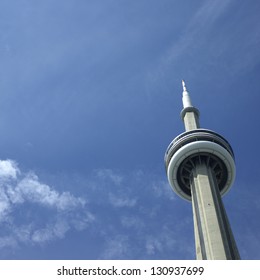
{"x":200,"y":168}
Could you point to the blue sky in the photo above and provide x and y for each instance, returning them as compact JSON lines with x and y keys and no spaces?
{"x":90,"y":98}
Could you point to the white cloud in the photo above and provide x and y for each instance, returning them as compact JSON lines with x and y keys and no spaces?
{"x":8,"y":169}
{"x":208,"y":13}
{"x":120,"y":201}
{"x":111,"y":175}
{"x":51,"y":231}
{"x":23,"y":232}
{"x":30,"y":189}
{"x":132,"y":222}
{"x":83,"y":220}
{"x":7,"y":241}
{"x":32,"y":212}
{"x":67,"y":211}
{"x":191,"y":40}
{"x":162,"y":189}
{"x":153,"y":245}
{"x":199,"y":25}
{"x":117,"y":247}
{"x":4,"y":205}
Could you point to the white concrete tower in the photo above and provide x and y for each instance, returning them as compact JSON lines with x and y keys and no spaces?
{"x":200,"y":168}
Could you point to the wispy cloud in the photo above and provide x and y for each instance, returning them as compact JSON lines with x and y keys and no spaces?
{"x":129,"y":211}
{"x":207,"y":15}
{"x":161,"y":189}
{"x":210,"y":42}
{"x":197,"y":28}
{"x":106,"y":174}
{"x":122,"y":201}
{"x":189,"y":43}
{"x":8,"y":169}
{"x":133,"y":221}
{"x":19,"y":190}
{"x":117,"y":247}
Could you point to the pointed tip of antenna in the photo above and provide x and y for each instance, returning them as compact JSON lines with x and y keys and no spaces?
{"x":185,"y":96}
{"x":183,"y":85}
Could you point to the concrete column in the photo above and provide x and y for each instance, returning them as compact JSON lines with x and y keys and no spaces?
{"x":213,"y":236}
{"x":191,"y":121}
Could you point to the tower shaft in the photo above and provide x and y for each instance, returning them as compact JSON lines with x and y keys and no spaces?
{"x":213,"y":236}
{"x":191,"y":119}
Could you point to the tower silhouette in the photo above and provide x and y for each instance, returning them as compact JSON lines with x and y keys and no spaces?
{"x":200,"y":168}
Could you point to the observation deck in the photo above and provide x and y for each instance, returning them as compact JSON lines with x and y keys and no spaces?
{"x":194,"y":147}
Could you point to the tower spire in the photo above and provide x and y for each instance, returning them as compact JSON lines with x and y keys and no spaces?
{"x":189,"y":114}
{"x":183,"y":85}
{"x":186,"y":101}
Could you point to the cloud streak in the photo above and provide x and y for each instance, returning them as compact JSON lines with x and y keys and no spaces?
{"x":25,"y":192}
{"x":195,"y":31}
{"x":127,"y":209}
